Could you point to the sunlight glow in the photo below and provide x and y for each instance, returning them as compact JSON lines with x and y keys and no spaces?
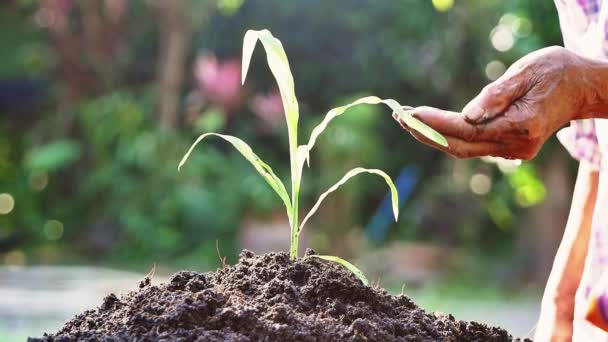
{"x":53,"y":230}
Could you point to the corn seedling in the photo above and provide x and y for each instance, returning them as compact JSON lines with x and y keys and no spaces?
{"x":299,"y":154}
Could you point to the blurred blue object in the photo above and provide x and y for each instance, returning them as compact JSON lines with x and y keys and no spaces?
{"x":21,"y":94}
{"x":383,"y":217}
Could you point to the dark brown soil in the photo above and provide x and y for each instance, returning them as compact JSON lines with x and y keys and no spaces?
{"x":267,"y":298}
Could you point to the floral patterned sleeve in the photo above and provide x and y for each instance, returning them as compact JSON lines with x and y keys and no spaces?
{"x":580,"y":139}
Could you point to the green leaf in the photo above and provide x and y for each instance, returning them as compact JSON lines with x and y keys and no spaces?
{"x":394,"y":105}
{"x":302,"y":156}
{"x":279,"y":66}
{"x":416,"y":124}
{"x":349,"y":175}
{"x":357,"y":272}
{"x":263,"y":169}
{"x":334,"y":113}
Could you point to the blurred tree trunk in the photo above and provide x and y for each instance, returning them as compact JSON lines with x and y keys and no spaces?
{"x":102,"y":28}
{"x":87,"y":56}
{"x":543,"y":229}
{"x":175,"y":33}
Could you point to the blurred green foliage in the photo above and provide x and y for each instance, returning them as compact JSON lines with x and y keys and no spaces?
{"x":84,"y":146}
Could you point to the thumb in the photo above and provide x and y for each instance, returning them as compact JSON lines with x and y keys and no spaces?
{"x":495,"y":98}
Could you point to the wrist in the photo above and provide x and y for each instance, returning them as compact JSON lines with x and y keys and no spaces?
{"x":594,"y":78}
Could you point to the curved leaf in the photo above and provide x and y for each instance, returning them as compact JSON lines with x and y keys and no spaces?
{"x":279,"y":66}
{"x":302,"y":156}
{"x":394,"y":105}
{"x":336,"y":112}
{"x":416,"y":124}
{"x":349,"y":175}
{"x":356,"y":271}
{"x":263,"y":169}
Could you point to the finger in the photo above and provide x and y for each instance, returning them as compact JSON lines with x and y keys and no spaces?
{"x":446,"y":122}
{"x":496,"y":97}
{"x":500,"y":138}
{"x":463,"y":149}
{"x":455,"y":125}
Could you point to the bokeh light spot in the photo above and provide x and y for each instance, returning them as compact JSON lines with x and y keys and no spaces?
{"x":509,"y":20}
{"x":229,"y":7}
{"x":39,"y":180}
{"x":520,"y":26}
{"x":480,"y":184}
{"x":502,"y":38}
{"x":7,"y":203}
{"x":53,"y":230}
{"x":524,"y":27}
{"x":443,"y":5}
{"x":495,"y":69}
{"x":15,"y":258}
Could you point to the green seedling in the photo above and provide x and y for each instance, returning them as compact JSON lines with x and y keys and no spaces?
{"x":299,"y":154}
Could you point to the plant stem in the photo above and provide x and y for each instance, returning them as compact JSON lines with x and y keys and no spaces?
{"x":293,"y":249}
{"x":296,"y":177}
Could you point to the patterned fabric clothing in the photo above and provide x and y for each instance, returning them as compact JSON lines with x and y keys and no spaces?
{"x":584,"y":25}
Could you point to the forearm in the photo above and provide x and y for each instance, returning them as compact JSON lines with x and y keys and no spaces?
{"x":595,"y":74}
{"x":558,"y":300}
{"x":568,"y":283}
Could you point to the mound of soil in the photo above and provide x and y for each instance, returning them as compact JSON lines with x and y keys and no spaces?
{"x":267,"y":298}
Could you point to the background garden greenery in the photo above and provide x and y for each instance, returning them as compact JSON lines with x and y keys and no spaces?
{"x":100,"y":99}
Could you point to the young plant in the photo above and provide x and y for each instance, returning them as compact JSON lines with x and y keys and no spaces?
{"x":299,"y":154}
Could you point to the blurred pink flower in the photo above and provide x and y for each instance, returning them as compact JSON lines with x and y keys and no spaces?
{"x":219,"y":82}
{"x":63,"y":5}
{"x":268,"y":107}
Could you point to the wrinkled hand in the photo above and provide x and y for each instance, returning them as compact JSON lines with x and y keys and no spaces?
{"x":513,"y":116}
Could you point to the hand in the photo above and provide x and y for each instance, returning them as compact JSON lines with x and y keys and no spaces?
{"x":513,"y":116}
